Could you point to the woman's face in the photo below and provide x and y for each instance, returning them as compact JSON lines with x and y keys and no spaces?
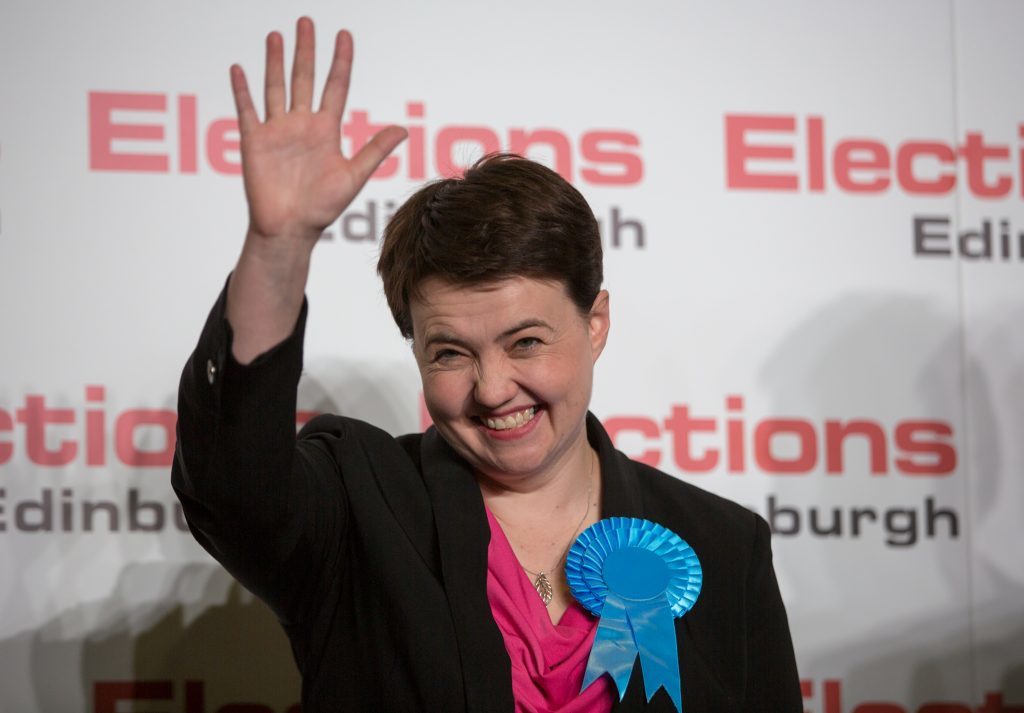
{"x":507,"y":370}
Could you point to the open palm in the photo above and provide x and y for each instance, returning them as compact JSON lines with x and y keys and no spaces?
{"x":296,"y":179}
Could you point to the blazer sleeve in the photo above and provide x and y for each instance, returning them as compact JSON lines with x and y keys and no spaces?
{"x":270,"y":509}
{"x":773,"y":683}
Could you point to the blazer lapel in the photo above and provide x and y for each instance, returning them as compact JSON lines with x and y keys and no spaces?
{"x":622,"y":496}
{"x":463,"y":537}
{"x":620,"y":489}
{"x":406,"y":497}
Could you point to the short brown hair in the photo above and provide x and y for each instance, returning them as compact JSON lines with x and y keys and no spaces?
{"x":506,"y":216}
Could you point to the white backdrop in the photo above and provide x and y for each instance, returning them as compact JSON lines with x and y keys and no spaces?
{"x":815,"y":310}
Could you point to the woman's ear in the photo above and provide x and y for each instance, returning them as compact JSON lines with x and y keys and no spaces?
{"x":599,"y":321}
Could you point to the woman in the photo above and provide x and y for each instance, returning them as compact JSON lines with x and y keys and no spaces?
{"x":426,"y":572}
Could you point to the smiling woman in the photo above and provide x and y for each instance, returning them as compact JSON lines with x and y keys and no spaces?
{"x":507,"y":372}
{"x":427,"y":572}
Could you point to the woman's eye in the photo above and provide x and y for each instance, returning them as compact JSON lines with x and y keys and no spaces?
{"x":445,"y":355}
{"x":527,"y":343}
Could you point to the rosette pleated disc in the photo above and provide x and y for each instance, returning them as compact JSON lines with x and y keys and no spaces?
{"x":584,"y":567}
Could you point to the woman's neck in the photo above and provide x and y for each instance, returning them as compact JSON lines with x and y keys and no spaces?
{"x":545,"y":497}
{"x":541,"y":522}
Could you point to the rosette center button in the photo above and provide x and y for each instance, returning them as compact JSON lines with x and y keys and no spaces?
{"x":636,"y":573}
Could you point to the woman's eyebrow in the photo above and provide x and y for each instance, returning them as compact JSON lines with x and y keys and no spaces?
{"x":445,"y":338}
{"x":527,"y":324}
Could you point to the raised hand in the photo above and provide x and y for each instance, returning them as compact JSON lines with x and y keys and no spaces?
{"x":297,"y":183}
{"x":296,"y":179}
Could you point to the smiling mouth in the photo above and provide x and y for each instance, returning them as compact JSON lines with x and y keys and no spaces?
{"x":513,"y":420}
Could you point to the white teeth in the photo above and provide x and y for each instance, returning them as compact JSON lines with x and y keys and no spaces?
{"x":515,"y":420}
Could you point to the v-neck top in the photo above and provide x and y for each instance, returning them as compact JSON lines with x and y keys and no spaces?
{"x":548,"y":660}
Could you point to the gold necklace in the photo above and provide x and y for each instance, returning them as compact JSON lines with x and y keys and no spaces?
{"x":541,"y":581}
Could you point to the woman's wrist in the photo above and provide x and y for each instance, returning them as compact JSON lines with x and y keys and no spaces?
{"x":265,"y":296}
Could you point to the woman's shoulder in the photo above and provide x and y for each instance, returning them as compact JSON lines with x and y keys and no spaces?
{"x":344,"y":438}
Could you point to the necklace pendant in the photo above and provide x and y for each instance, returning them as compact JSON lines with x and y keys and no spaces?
{"x":544,"y":588}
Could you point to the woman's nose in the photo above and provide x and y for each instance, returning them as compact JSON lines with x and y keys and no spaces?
{"x":495,"y":384}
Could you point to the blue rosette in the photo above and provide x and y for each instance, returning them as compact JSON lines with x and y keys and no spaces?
{"x":638,"y":576}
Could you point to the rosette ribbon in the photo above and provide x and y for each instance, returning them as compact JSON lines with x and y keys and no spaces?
{"x":638,"y":577}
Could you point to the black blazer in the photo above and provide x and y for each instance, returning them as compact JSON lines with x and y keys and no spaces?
{"x":372,"y":551}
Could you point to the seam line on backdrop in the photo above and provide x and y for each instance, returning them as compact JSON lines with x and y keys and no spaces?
{"x":968,"y":431}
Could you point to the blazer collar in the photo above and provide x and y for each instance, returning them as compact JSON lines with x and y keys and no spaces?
{"x":463,"y":537}
{"x":620,"y":487}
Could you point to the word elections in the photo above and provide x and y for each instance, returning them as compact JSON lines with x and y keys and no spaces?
{"x":761,"y":150}
{"x":831,"y":701}
{"x":794,"y":446}
{"x":60,"y":436}
{"x":141,"y":437}
{"x":109,"y":697}
{"x":117,"y":120}
{"x":64,"y":511}
{"x":365,"y":223}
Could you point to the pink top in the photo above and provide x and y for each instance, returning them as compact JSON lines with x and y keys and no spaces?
{"x":548,"y":660}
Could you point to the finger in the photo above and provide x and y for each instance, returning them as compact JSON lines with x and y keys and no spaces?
{"x":302,"y":66}
{"x":375,"y":151}
{"x":273,"y":78}
{"x":336,"y":86}
{"x":247,"y":117}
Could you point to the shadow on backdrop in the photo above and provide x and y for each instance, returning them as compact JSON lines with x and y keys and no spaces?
{"x":854,"y":353}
